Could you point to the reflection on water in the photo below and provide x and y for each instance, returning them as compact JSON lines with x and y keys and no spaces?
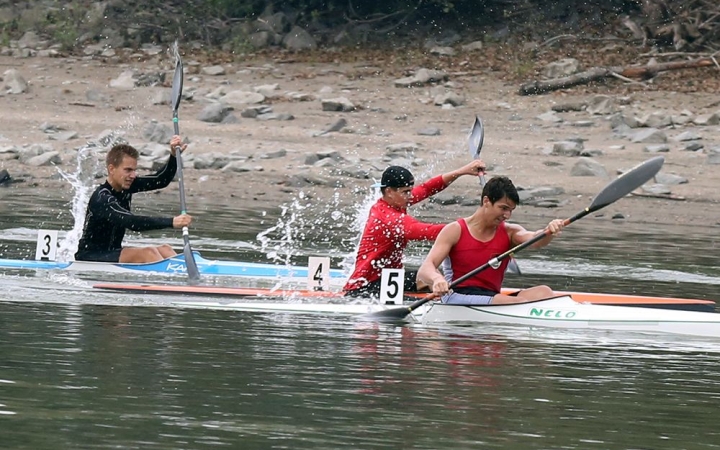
{"x":166,"y":378}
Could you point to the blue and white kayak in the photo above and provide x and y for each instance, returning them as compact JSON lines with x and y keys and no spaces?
{"x":175,"y":266}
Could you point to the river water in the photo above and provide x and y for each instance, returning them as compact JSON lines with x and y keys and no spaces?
{"x":86,"y":369}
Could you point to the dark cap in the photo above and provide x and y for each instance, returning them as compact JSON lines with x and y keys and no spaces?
{"x":397,"y":177}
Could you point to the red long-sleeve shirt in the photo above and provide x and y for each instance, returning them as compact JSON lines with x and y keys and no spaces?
{"x":387,"y":232}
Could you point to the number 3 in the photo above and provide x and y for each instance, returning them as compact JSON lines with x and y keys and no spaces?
{"x":46,"y":248}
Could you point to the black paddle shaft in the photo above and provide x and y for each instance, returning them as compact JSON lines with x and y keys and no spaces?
{"x":178,"y":156}
{"x":615,"y":190}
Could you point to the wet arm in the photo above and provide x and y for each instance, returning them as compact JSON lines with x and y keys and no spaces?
{"x":474,"y":168}
{"x":109,"y":208}
{"x":440,"y":182}
{"x":518,"y":234}
{"x":420,"y":231}
{"x":427,"y":189}
{"x":429,"y":272}
{"x":158,"y":180}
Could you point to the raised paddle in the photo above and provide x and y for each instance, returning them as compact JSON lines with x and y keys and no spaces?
{"x":475,"y":144}
{"x":618,"y":188}
{"x":177,"y":85}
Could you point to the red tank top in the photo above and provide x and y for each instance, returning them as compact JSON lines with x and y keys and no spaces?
{"x":469,"y":254}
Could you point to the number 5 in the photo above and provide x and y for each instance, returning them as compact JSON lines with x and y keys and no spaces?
{"x":392,"y":286}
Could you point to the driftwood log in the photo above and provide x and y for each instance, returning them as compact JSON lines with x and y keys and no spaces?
{"x":665,"y":196}
{"x":600,"y":73}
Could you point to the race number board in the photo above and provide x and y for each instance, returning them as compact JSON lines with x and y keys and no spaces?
{"x":392,"y":286}
{"x":47,"y":243}
{"x":318,"y":273}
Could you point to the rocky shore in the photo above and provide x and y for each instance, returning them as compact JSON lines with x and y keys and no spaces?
{"x":268,"y":128}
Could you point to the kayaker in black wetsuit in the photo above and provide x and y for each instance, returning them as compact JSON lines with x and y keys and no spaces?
{"x":108,"y":213}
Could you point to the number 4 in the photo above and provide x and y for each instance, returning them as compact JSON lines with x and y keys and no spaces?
{"x":318,"y":273}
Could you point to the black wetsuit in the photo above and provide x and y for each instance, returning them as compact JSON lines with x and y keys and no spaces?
{"x":108,"y":215}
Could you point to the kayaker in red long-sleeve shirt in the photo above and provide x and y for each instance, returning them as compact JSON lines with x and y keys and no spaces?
{"x":389,"y":227}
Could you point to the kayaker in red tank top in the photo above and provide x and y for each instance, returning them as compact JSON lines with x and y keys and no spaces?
{"x":471,"y":242}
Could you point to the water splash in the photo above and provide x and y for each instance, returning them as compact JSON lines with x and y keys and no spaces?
{"x":279,"y":242}
{"x":174,"y":51}
{"x":358,"y":225}
{"x":320,"y":222}
{"x":82,"y":182}
{"x":306,"y":221}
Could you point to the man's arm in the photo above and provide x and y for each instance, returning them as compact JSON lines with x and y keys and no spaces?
{"x":164,"y":176}
{"x":518,"y":234}
{"x":158,"y":180}
{"x":107,"y":207}
{"x":420,"y":231}
{"x":474,"y":168}
{"x":440,"y":182}
{"x":429,"y":273}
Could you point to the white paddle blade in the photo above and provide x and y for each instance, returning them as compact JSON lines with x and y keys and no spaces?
{"x":177,"y":85}
{"x":476,"y":138}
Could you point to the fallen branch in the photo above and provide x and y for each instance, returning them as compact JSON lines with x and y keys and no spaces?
{"x":601,"y":73}
{"x":565,"y":37}
{"x":664,"y":196}
{"x":627,"y":80}
{"x":655,"y":54}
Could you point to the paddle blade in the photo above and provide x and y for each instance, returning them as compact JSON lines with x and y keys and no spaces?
{"x":513,"y":267}
{"x":177,"y":85}
{"x":476,"y":138}
{"x":192,"y":269}
{"x":627,"y":182}
{"x":399,"y":313}
{"x":475,"y":143}
{"x":389,"y":315}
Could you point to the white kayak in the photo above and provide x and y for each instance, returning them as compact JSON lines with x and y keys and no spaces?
{"x":564,"y":312}
{"x":560,"y":312}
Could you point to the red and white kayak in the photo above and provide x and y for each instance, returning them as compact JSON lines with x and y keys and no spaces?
{"x":560,"y":313}
{"x":259,"y":293}
{"x":567,"y":313}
